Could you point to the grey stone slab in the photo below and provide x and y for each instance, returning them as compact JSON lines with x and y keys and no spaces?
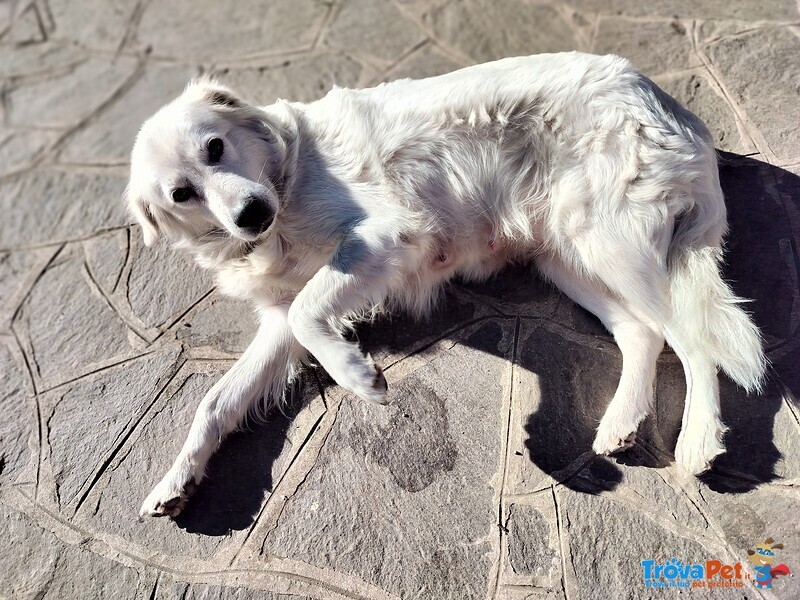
{"x":302,"y":79}
{"x":37,"y":565}
{"x":109,"y":138}
{"x":761,"y":264}
{"x":82,"y":575}
{"x":533,"y":549}
{"x":355,"y":29}
{"x":27,"y":28}
{"x":59,"y":206}
{"x":749,"y":518}
{"x":428,"y":61}
{"x":769,"y":93}
{"x":696,"y":93}
{"x":18,"y":426}
{"x":175,"y":590}
{"x":70,"y":326}
{"x":77,"y":94}
{"x":780,"y":10}
{"x":561,"y":390}
{"x":6,"y":16}
{"x":28,"y":556}
{"x":516,"y":28}
{"x":100,"y":24}
{"x":37,"y":59}
{"x":608,"y":541}
{"x":763,"y":436}
{"x":19,"y":150}
{"x":391,"y":338}
{"x":653,"y":47}
{"x":644,"y":476}
{"x":239,"y":478}
{"x":221,"y":323}
{"x":14,"y":267}
{"x":163,"y":283}
{"x":577,"y":319}
{"x":240,"y":29}
{"x":105,"y":257}
{"x":519,"y":291}
{"x":414,"y":474}
{"x":88,"y":417}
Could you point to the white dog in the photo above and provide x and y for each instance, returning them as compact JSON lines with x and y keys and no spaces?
{"x":371,"y":199}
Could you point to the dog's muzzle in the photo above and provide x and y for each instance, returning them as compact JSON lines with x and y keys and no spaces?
{"x":255,"y":217}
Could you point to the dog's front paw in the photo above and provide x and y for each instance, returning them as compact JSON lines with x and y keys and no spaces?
{"x":377,"y":391}
{"x":168,"y":498}
{"x":368,"y":382}
{"x":614,"y":435}
{"x":611,"y":443}
{"x":698,"y":446}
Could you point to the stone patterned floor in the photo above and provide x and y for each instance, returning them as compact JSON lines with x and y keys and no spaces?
{"x":478,"y":480}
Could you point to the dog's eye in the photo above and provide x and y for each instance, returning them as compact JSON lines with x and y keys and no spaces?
{"x":182,"y":194}
{"x":215,"y":149}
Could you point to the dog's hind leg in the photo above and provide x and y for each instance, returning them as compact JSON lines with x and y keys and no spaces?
{"x":263,"y":370}
{"x":702,"y":430}
{"x":707,"y":329}
{"x":639,"y":341}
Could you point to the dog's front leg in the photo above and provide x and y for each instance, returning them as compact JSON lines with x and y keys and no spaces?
{"x":262,"y":371}
{"x":356,"y":280}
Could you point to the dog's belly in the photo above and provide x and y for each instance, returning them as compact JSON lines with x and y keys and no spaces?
{"x":473,"y":257}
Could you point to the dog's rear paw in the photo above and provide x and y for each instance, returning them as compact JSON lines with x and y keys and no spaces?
{"x":698,"y":447}
{"x":167,"y":499}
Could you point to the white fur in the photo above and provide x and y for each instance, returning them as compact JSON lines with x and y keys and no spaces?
{"x":576,"y":163}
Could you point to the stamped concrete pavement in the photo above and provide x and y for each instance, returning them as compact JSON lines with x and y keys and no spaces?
{"x":477,"y":481}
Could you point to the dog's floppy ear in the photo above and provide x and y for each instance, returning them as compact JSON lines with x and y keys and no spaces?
{"x":143,"y":216}
{"x":214,"y":93}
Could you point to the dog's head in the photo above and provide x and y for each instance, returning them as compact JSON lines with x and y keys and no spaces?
{"x":206,"y":170}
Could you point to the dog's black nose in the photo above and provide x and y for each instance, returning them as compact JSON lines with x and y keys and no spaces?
{"x":255,"y":216}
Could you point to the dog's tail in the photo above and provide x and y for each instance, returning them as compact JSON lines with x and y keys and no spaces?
{"x":706,"y":316}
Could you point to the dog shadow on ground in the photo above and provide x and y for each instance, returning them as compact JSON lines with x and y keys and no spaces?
{"x":241,"y":472}
{"x":761,"y":264}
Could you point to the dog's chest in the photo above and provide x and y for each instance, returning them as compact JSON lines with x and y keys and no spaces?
{"x":272,"y":272}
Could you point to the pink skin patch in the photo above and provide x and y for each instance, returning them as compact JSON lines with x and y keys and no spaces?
{"x":442,"y":260}
{"x":491,"y":246}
